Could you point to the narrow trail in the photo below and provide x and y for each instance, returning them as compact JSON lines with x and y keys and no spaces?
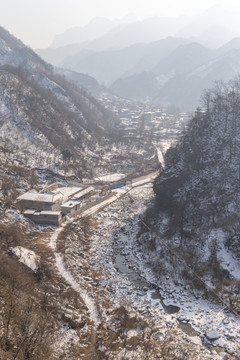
{"x":84,"y":295}
{"x":66,"y":274}
{"x":88,"y":300}
{"x":79,"y":289}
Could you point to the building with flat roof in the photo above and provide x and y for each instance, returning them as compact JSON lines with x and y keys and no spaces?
{"x":44,"y":217}
{"x":49,"y":207}
{"x":70,"y":206}
{"x":40,"y":201}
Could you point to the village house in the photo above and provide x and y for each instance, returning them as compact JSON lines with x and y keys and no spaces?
{"x":40,"y":201}
{"x":44,"y":217}
{"x":70,"y":206}
{"x":50,"y":207}
{"x":74,"y":202}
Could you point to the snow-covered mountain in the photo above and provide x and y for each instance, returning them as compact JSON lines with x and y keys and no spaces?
{"x":83,"y":81}
{"x":197,"y":199}
{"x":64,"y":292}
{"x":43,"y":116}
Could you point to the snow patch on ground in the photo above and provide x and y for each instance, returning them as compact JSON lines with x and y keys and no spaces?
{"x":160,"y":157}
{"x":224,"y":256}
{"x":53,"y":240}
{"x":27,"y":257}
{"x":201,"y":314}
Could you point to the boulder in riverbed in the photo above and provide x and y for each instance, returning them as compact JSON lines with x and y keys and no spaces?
{"x":212,"y":335}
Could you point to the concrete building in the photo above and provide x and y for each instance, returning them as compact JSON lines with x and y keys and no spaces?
{"x":70,"y":206}
{"x":50,"y":207}
{"x":40,"y":201}
{"x":44,"y":217}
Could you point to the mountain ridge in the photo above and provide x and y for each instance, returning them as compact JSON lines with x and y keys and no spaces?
{"x":44,"y":111}
{"x":197,"y":193}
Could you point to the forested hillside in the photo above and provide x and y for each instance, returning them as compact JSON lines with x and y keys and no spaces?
{"x":52,"y":129}
{"x":45,"y":119}
{"x":197,"y":207}
{"x":79,"y":287}
{"x":200,"y":184}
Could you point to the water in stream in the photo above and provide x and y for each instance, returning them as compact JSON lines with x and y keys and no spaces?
{"x":141,"y":286}
{"x":138,"y":282}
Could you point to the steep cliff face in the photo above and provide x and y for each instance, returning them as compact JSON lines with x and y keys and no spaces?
{"x":199,"y":187}
{"x":197,"y":202}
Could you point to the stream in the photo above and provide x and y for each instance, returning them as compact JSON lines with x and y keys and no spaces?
{"x":119,"y":252}
{"x":140,"y":285}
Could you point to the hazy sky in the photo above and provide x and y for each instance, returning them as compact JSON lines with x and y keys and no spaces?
{"x":36,"y":22}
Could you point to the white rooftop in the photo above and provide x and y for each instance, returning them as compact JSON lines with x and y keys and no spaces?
{"x":70,"y":203}
{"x":43,"y":212}
{"x":83,"y":192}
{"x":63,"y":193}
{"x":111,"y":177}
{"x":31,"y":196}
{"x":67,"y":191}
{"x":50,"y":213}
{"x":29,"y":212}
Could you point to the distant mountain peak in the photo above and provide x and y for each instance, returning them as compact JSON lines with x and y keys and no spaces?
{"x":231,"y":45}
{"x":96,"y":28}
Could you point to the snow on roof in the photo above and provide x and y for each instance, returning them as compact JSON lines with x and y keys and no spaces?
{"x":62,"y":193}
{"x":31,"y":196}
{"x":70,"y":203}
{"x":111,"y":177}
{"x":56,"y":197}
{"x":83,"y":192}
{"x":67,"y":191}
{"x":50,"y":213}
{"x":29,"y":212}
{"x":99,"y":206}
{"x":27,"y":257}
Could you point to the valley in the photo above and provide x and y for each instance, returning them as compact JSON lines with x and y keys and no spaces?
{"x":109,"y":301}
{"x":64,"y":257}
{"x":119,"y":218}
{"x":106,"y":272}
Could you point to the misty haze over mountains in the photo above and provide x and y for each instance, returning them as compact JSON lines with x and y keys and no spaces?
{"x":119,"y":219}
{"x":167,"y":61}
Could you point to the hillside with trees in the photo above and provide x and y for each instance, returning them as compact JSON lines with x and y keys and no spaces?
{"x":46,"y":120}
{"x":63,"y":293}
{"x":52,"y":124}
{"x":196,"y":212}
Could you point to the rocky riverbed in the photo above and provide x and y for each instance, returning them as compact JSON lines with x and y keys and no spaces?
{"x":127,"y":277}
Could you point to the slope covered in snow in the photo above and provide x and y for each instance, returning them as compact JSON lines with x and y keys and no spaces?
{"x":195,"y":219}
{"x":44,"y":119}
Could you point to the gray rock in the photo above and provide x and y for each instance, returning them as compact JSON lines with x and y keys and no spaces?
{"x":212,"y":335}
{"x":223,"y":356}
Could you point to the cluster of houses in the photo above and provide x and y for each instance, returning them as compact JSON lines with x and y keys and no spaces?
{"x":51,"y":206}
{"x":139,"y":119}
